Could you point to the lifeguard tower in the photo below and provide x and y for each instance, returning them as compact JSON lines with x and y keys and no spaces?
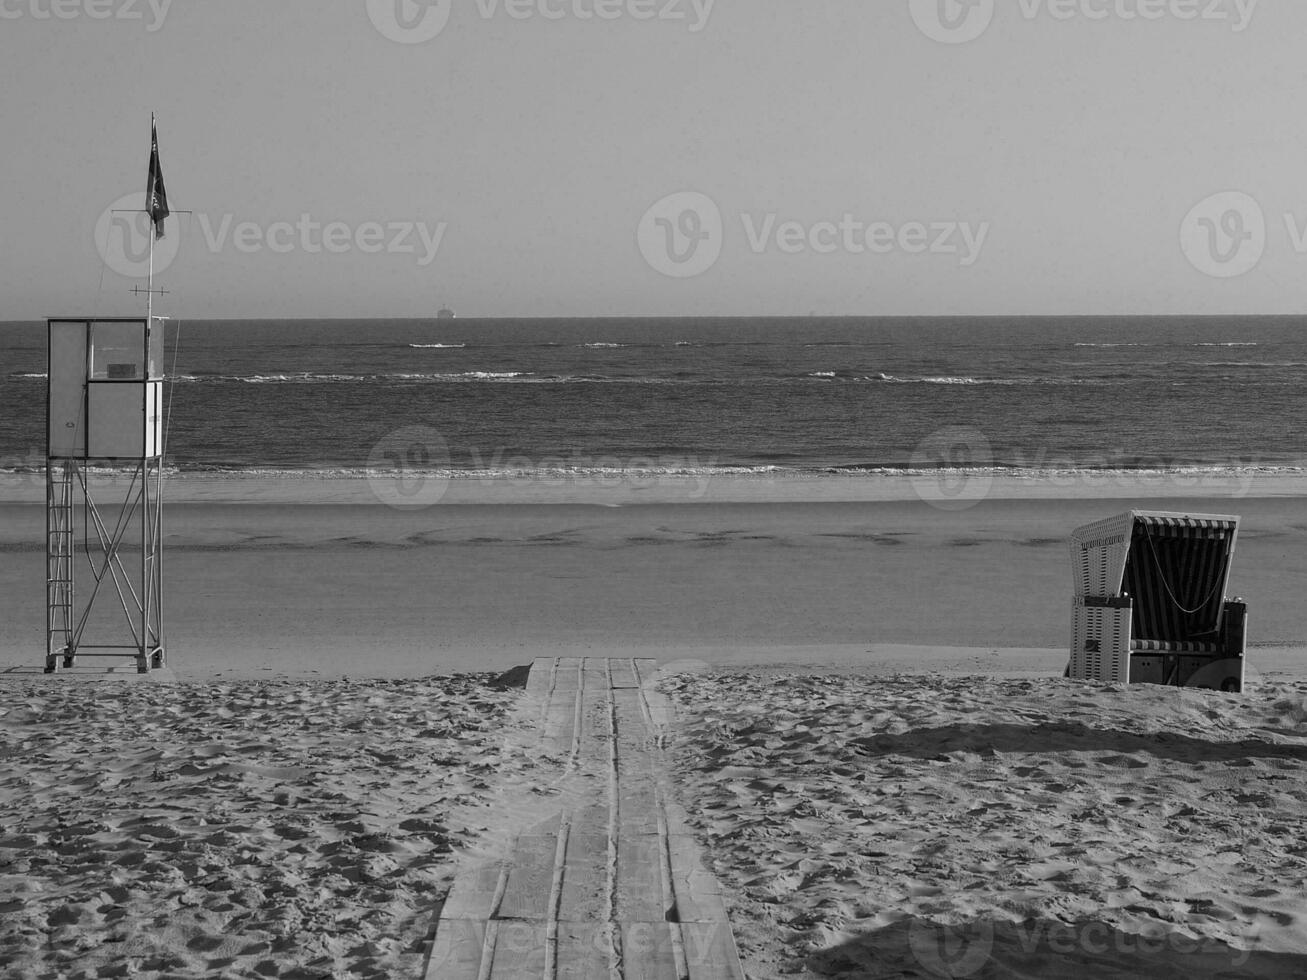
{"x":104,"y":483}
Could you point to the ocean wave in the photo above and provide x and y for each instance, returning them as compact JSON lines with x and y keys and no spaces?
{"x":1254,"y":364}
{"x":948,"y":380}
{"x":309,"y":377}
{"x":424,"y":377}
{"x":1231,"y":343}
{"x":883,"y":378}
{"x":599,"y":346}
{"x":438,"y":346}
{"x":1146,"y":471}
{"x":41,"y":376}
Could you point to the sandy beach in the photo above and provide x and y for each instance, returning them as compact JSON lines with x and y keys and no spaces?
{"x":751,"y":367}
{"x":328,"y":582}
{"x":246,"y":829}
{"x":874,"y":742}
{"x":977,"y":827}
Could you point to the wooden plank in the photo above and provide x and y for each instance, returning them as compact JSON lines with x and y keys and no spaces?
{"x":584,"y":894}
{"x":473,"y":893}
{"x":637,"y":809}
{"x":560,"y":715}
{"x":596,"y":726}
{"x":548,"y":827}
{"x":537,"y":681}
{"x":678,"y":824}
{"x":519,"y":951}
{"x":594,"y":674}
{"x":651,"y":946}
{"x":661,"y":714}
{"x":647,"y":951}
{"x":583,"y":951}
{"x":698,"y":898}
{"x":710,"y":951}
{"x":698,"y":893}
{"x":646,"y":668}
{"x":456,"y":950}
{"x":633,"y":731}
{"x":591,"y":820}
{"x":568,"y":675}
{"x":624,"y":674}
{"x":530,"y":879}
{"x":684,"y":850}
{"x":640,"y":895}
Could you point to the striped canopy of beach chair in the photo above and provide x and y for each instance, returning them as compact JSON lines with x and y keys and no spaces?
{"x":1150,"y":600}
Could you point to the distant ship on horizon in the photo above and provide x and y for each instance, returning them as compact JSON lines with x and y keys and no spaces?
{"x":445,"y":314}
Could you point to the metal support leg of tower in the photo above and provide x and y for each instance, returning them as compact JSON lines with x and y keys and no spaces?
{"x":138,"y":584}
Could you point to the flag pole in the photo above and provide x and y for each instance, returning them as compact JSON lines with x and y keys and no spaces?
{"x":149,"y":281}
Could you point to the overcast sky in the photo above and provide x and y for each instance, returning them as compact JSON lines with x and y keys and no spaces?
{"x":593,"y":157}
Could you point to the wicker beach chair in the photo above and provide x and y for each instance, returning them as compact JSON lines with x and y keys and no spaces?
{"x":1149,"y":604}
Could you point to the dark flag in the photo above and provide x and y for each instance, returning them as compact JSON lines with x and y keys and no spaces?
{"x":156,"y":198}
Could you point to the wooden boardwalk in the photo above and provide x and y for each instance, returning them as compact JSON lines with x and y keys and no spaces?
{"x":607,"y":884}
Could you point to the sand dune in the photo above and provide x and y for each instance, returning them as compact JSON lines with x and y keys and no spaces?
{"x":984,"y":827}
{"x":278,"y":828}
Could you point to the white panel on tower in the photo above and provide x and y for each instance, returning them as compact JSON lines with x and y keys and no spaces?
{"x":117,"y":420}
{"x":67,"y":387}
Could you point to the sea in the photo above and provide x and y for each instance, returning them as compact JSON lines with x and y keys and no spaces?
{"x":850,"y":396}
